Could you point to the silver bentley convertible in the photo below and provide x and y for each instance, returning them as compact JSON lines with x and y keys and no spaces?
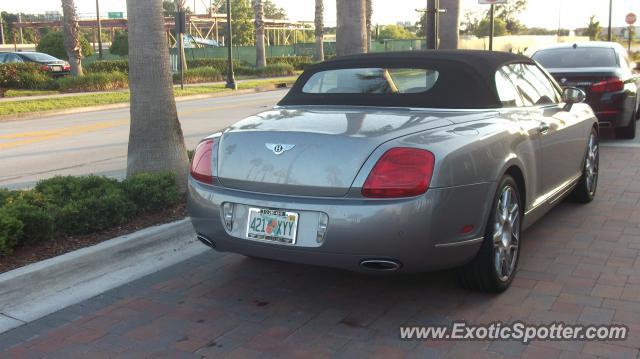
{"x":402,"y":162}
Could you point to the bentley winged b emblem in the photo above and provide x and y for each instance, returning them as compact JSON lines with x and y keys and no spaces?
{"x":279,"y":148}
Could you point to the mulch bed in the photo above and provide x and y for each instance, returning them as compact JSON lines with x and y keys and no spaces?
{"x":41,"y":251}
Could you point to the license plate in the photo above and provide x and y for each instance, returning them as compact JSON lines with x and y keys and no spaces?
{"x":272,"y":225}
{"x":56,"y":68}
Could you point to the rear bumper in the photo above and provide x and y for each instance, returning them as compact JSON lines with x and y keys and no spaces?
{"x":422,"y":233}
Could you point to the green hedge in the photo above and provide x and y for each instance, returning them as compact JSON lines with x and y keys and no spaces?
{"x":98,"y":81}
{"x":53,"y":44}
{"x":220,"y":64}
{"x":108,"y":66}
{"x":267,"y":71}
{"x":199,"y":75}
{"x":65,"y":206}
{"x":27,"y":76}
{"x":298,"y":62}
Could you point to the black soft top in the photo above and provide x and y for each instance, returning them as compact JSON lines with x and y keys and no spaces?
{"x":466,"y":80}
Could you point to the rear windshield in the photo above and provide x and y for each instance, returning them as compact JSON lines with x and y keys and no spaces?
{"x":432,"y":83}
{"x":371,"y":81}
{"x":38,"y":57}
{"x":578,"y":57}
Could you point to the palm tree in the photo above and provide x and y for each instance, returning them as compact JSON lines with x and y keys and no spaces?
{"x":155,"y":137}
{"x":450,"y":24}
{"x":369,"y":8}
{"x":319,"y":24}
{"x":351,"y":32}
{"x":72,"y":37}
{"x":258,"y":9}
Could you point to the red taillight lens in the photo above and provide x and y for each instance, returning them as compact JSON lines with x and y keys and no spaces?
{"x":201,"y":163}
{"x":44,"y":67}
{"x":400,"y":172}
{"x":610,"y":85}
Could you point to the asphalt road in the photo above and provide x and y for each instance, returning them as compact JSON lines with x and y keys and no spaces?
{"x":96,"y":142}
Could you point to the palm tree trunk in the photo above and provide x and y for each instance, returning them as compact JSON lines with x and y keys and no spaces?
{"x":72,"y":37}
{"x":450,"y":24}
{"x":155,"y":137}
{"x":351,"y":32}
{"x":258,"y":9}
{"x":319,"y":24}
{"x":369,"y":8}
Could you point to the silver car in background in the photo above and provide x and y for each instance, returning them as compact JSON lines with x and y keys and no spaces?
{"x":399,"y":162}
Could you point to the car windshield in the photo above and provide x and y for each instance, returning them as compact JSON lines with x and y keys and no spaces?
{"x":38,"y":57}
{"x":576,"y":57}
{"x":371,"y":81}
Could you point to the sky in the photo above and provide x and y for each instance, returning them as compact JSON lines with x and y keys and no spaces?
{"x":540,"y":13}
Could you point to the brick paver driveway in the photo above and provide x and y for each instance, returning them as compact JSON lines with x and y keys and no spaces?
{"x":579,"y":265}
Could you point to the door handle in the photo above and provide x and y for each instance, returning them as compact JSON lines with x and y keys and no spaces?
{"x":544,"y":128}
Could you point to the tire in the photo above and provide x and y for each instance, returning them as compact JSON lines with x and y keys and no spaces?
{"x":628,"y":132}
{"x":482,"y":272}
{"x":585,"y":190}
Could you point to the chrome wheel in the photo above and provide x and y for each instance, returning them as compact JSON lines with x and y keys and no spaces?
{"x":506,"y":233}
{"x":591,"y":165}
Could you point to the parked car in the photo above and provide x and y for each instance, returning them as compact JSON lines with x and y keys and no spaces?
{"x":399,"y":162}
{"x":605,"y":73}
{"x":48,"y":63}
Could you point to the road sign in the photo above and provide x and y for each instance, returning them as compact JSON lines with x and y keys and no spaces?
{"x":631,"y":18}
{"x":490,"y":2}
{"x":115,"y":15}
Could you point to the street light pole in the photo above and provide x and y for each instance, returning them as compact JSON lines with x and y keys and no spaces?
{"x":492,"y":21}
{"x":231,"y":82}
{"x":433,"y":10}
{"x":610,"y":33}
{"x":1,"y":30}
{"x":99,"y":30}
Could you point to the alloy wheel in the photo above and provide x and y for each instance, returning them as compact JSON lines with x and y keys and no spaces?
{"x":506,"y":233}
{"x":591,"y":164}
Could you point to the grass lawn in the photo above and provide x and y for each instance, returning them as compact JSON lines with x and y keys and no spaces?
{"x":21,"y":93}
{"x":26,"y":106}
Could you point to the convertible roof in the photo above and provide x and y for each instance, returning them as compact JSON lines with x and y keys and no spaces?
{"x":467,"y":79}
{"x":484,"y":62}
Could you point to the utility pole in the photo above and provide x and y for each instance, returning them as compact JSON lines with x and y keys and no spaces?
{"x":492,"y":20}
{"x":99,"y":30}
{"x":20,"y":27}
{"x":231,"y":81}
{"x":610,"y":33}
{"x":432,"y":23}
{"x":1,"y":30}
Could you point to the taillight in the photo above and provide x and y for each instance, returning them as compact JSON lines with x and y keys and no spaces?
{"x":44,"y":67}
{"x":66,"y":67}
{"x":610,"y":85}
{"x":201,"y":169}
{"x":400,"y":172}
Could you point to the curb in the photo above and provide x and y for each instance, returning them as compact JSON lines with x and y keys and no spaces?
{"x":115,"y":106}
{"x":41,"y":288}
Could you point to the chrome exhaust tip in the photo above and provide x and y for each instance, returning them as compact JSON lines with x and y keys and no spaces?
{"x":206,"y":241}
{"x":381,"y":265}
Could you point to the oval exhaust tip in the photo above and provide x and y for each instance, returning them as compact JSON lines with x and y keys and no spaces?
{"x":206,"y":241}
{"x":381,"y":265}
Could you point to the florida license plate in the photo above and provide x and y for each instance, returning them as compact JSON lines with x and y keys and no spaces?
{"x":272,"y":225}
{"x":56,"y":68}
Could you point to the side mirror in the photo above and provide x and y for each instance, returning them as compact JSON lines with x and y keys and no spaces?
{"x":572,"y":95}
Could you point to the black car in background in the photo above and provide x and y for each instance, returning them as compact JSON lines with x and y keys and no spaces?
{"x":607,"y":76}
{"x":48,"y":63}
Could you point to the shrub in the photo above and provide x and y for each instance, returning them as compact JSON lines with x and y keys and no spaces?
{"x":24,"y":76}
{"x":99,"y":81}
{"x":53,"y":44}
{"x":275,"y":70}
{"x":95,"y":212}
{"x":108,"y":66}
{"x":37,"y":221}
{"x":152,"y":191}
{"x":199,"y":74}
{"x":298,"y":62}
{"x":120,"y":44}
{"x":10,"y":231}
{"x":60,"y":190}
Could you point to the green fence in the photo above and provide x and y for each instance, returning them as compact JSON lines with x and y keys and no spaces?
{"x":247,"y":54}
